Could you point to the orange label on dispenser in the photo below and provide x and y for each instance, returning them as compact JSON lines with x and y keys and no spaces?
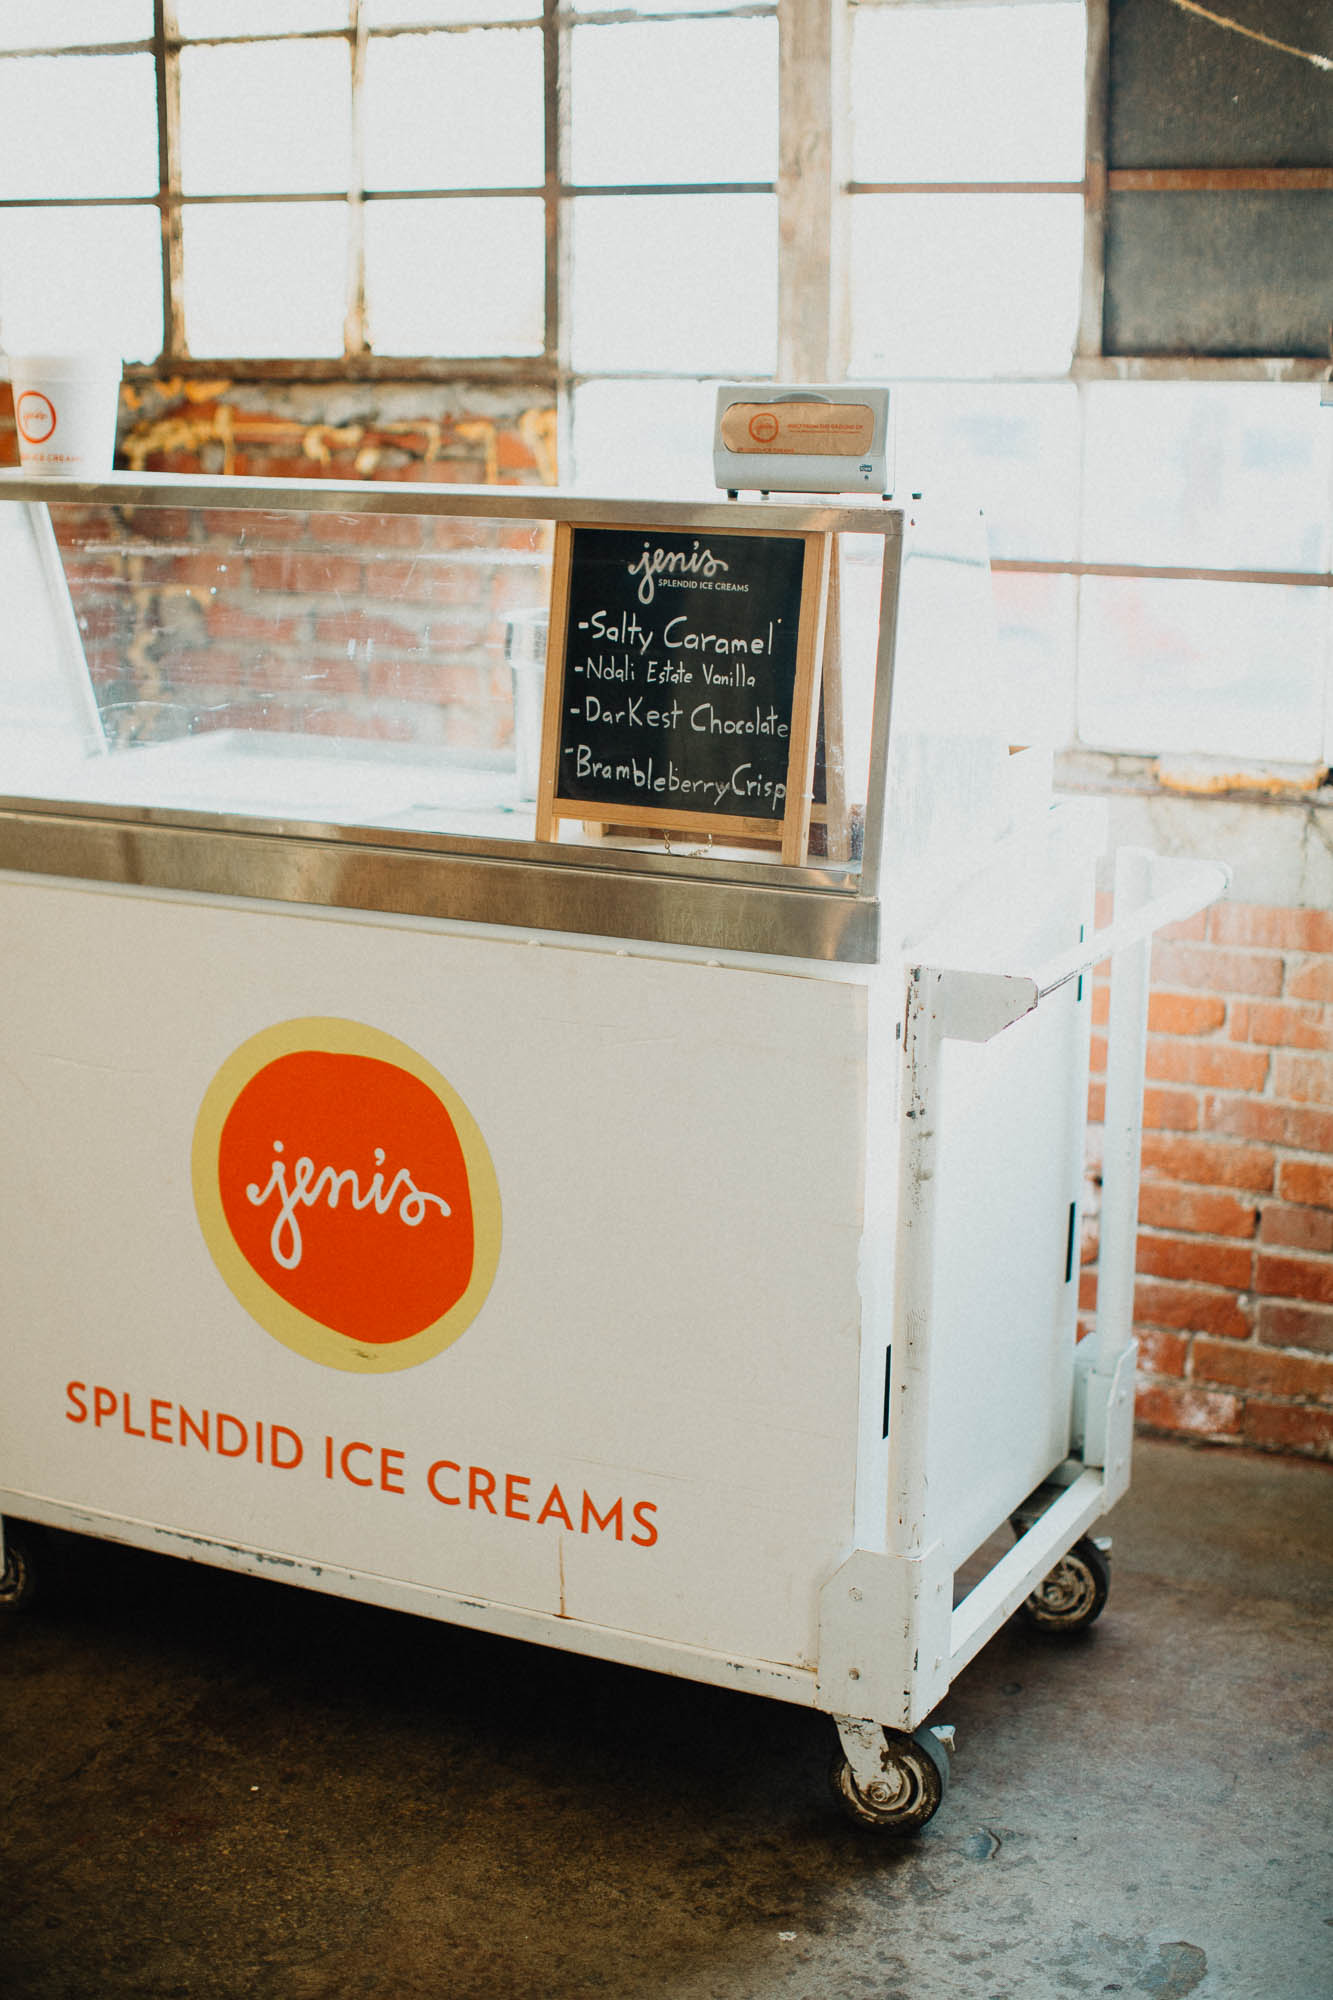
{"x":346,"y":1195}
{"x":799,"y":429}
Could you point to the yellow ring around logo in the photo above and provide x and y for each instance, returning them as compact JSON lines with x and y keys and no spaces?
{"x":286,"y":1322}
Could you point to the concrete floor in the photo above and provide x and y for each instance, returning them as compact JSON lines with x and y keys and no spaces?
{"x":215,"y":1786}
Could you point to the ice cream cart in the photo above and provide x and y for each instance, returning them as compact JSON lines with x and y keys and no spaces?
{"x":640,"y":1218}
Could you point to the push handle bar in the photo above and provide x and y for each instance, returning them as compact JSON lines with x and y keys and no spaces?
{"x":1191,"y":886}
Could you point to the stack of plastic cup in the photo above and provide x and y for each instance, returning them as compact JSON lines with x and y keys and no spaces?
{"x":65,"y":408}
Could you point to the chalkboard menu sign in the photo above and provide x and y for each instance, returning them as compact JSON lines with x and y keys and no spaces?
{"x":682,"y":682}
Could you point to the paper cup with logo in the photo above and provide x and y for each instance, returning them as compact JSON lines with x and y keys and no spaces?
{"x":65,"y":408}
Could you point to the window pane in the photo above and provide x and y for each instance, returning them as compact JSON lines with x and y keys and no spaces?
{"x":62,"y":24}
{"x":265,"y":278}
{"x":74,"y":274}
{"x":270,"y":119}
{"x":456,"y":277}
{"x":1208,"y":475}
{"x":258,"y":17}
{"x":965,"y":284}
{"x":446,"y":111}
{"x":645,"y":437}
{"x":1034,"y":618}
{"x":660,"y":102}
{"x":78,"y":125}
{"x":1010,"y":449}
{"x":1223,"y":669}
{"x":403,"y":13}
{"x":967,"y":93}
{"x":680,"y":283}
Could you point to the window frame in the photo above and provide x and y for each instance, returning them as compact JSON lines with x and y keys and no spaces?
{"x":1090,"y":364}
{"x":814,"y":194}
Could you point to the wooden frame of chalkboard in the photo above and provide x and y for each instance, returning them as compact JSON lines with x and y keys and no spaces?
{"x":682,"y":682}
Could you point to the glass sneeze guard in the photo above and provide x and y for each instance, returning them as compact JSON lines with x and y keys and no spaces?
{"x":329,"y":692}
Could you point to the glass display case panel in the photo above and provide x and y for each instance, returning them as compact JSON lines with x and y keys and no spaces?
{"x":860,"y":581}
{"x":362,"y":671}
{"x":50,"y":714}
{"x":350,"y":668}
{"x":300,"y":664}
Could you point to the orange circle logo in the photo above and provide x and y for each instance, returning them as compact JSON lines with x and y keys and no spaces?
{"x":35,"y":415}
{"x":763,"y":427}
{"x":346,"y":1195}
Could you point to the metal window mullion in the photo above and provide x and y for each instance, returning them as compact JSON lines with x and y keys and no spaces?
{"x":527,"y":370}
{"x":1220,"y":180}
{"x":1285,"y":579}
{"x":1080,"y":550}
{"x":354,"y":322}
{"x":1096,"y":67}
{"x":262,"y":40}
{"x":1199,"y":368}
{"x":965,"y":187}
{"x":811,"y":332}
{"x":166,"y":59}
{"x":619,"y":17}
{"x":80,"y":201}
{"x":556,"y":142}
{"x":141,"y":48}
{"x":241,"y":198}
{"x":595,"y":190}
{"x":1092,"y":287}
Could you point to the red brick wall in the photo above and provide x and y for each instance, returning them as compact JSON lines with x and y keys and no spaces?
{"x":401,"y":431}
{"x":1234,"y":1298}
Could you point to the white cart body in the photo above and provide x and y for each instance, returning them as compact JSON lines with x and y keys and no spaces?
{"x":783,"y":1325}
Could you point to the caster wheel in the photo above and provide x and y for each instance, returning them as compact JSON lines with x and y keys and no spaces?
{"x":1074,"y":1594}
{"x":916,"y":1773}
{"x":18,"y":1584}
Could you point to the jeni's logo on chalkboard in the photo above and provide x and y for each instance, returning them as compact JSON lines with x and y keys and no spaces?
{"x":655,"y":562}
{"x":346,"y":1195}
